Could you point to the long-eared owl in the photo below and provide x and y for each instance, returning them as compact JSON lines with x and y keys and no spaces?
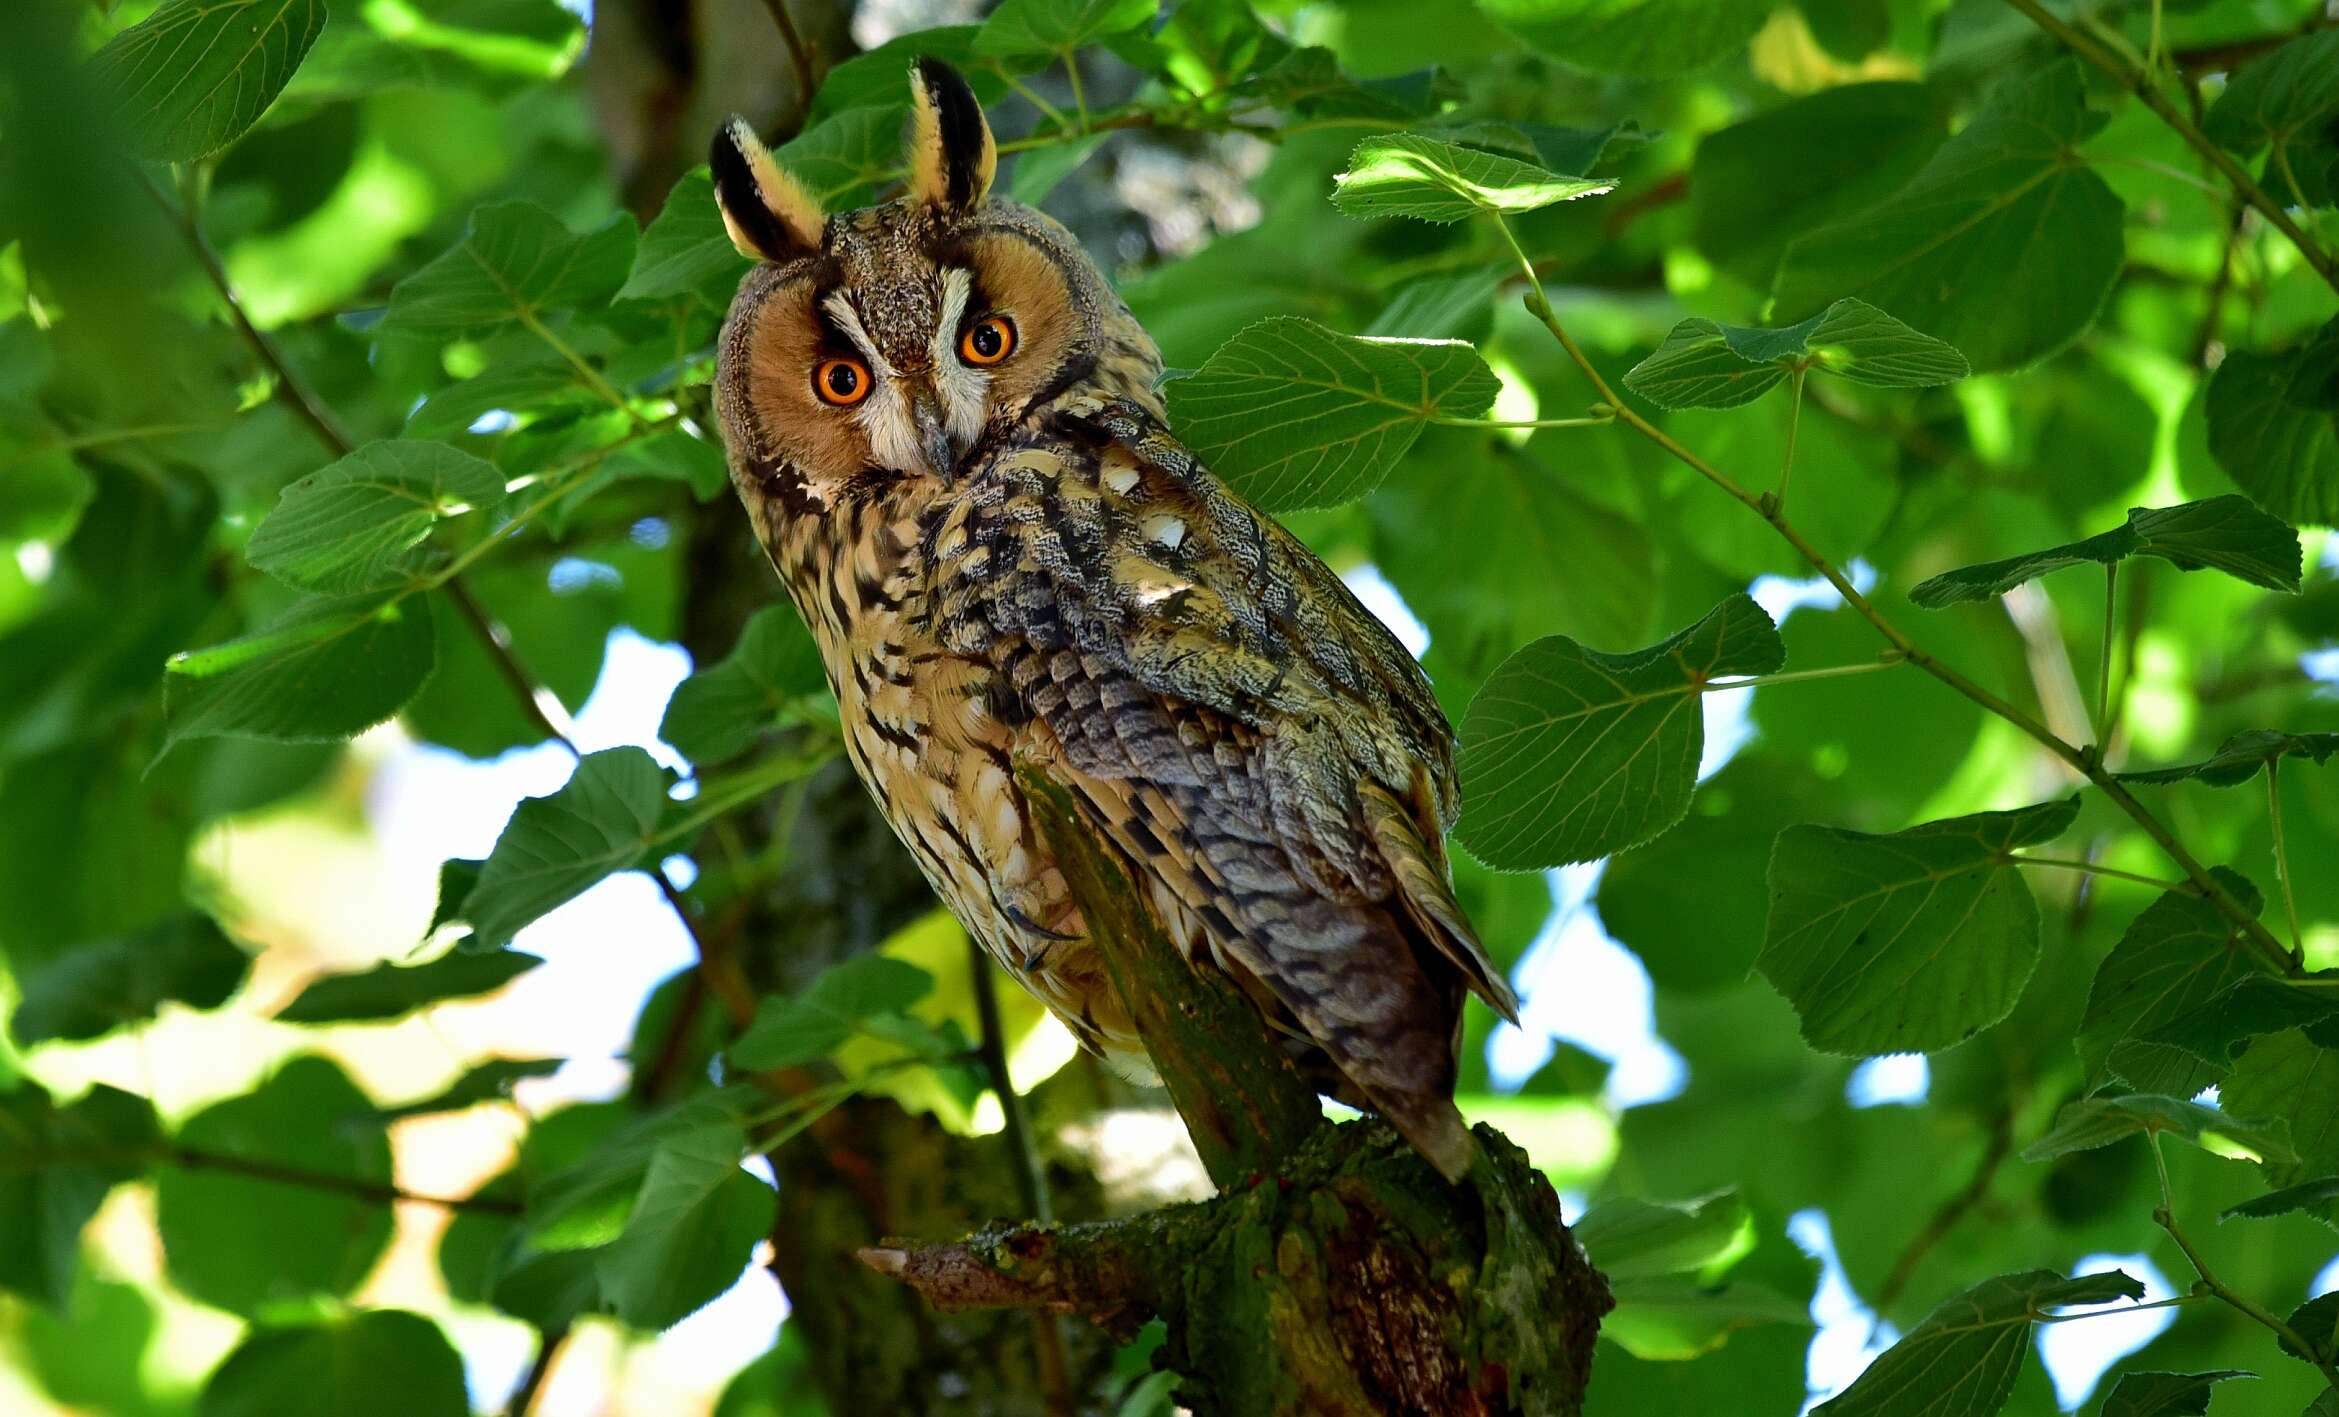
{"x":944,"y":425}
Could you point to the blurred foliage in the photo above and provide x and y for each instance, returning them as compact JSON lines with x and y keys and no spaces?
{"x":338,"y":384}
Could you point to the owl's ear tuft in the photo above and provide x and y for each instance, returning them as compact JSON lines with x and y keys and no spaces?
{"x":768,"y":213}
{"x":952,"y":155}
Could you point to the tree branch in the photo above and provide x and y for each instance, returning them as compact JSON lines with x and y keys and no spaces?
{"x":2140,"y":84}
{"x":188,"y":1158}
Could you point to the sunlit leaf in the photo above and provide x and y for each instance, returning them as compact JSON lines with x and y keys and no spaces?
{"x":1908,"y":942}
{"x":353,"y":525}
{"x":2099,"y":1121}
{"x":490,"y":1081}
{"x":1405,"y":174}
{"x":327,"y":668}
{"x":1034,"y":27}
{"x":363,"y":1363}
{"x":56,"y":1167}
{"x":2222,"y":533}
{"x":516,"y":262}
{"x":684,"y":250}
{"x":2005,"y":243}
{"x":190,"y":78}
{"x":691,"y":1230}
{"x":1639,"y":37}
{"x":1568,"y":753}
{"x":1702,"y":364}
{"x":388,"y":991}
{"x":1630,"y":1239}
{"x":1961,"y":1361}
{"x":1294,"y":415}
{"x":1673,"y":1318}
{"x":241,"y":1242}
{"x":554,"y":847}
{"x":100,"y":985}
{"x":791,"y":1030}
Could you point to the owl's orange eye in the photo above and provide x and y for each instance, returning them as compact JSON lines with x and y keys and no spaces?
{"x":843,"y":382}
{"x":988,"y":340}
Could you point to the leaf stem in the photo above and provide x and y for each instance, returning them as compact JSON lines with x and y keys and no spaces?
{"x":2103,"y":666}
{"x":1794,"y":420}
{"x":548,"y":1342}
{"x":1889,"y":660}
{"x":591,"y":376}
{"x":2087,"y":762}
{"x":2090,"y":868}
{"x":1031,"y":96}
{"x":191,"y":1158}
{"x":2282,"y":855}
{"x":1079,"y":97}
{"x":2165,"y":1217}
{"x":1593,"y":421}
{"x":2140,"y":84}
{"x":188,"y":218}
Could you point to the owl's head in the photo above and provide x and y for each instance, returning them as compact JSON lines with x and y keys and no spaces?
{"x":888,"y":342}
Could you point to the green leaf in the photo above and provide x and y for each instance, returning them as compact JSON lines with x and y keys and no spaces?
{"x":1961,"y":1361}
{"x":392,"y":991}
{"x":42,"y":496}
{"x":2166,"y":1394}
{"x":2202,"y":1040}
{"x":44,"y":1203}
{"x":774,"y":670}
{"x":1672,"y":1318}
{"x":244,"y":1243}
{"x":2223,"y":533}
{"x":1702,"y":364}
{"x":363,"y":1363}
{"x":2005,"y":244}
{"x":2176,"y":956}
{"x":842,"y":160}
{"x":2274,"y":98}
{"x":509,"y":386}
{"x":94,"y":988}
{"x":1406,"y":174}
{"x":2099,"y":1121}
{"x":1057,"y":27}
{"x":2239,"y":758}
{"x":792,"y":1030}
{"x":325,"y":669}
{"x":515,"y":262}
{"x":2292,"y":1077}
{"x":1908,"y":942}
{"x":2307,"y":1195}
{"x":2274,"y":428}
{"x":1569,"y":754}
{"x":2316,"y":1321}
{"x":554,"y":847}
{"x":684,"y":250}
{"x":1635,"y":1239}
{"x":490,"y":1081}
{"x":1644,"y":38}
{"x":584,"y":1202}
{"x":1759,"y":184}
{"x":189,"y":79}
{"x":352,"y":525}
{"x":692,"y":1229}
{"x":1294,"y":415}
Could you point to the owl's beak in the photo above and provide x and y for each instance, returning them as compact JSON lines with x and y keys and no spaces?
{"x":934,"y":435}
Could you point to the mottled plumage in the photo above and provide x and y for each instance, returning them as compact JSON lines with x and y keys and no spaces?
{"x":1009,"y":558}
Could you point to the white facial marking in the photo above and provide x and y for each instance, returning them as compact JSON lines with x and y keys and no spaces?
{"x":1164,"y":528}
{"x":961,"y":386}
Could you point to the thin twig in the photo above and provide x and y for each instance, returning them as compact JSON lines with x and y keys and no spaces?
{"x":2282,"y":856}
{"x":2087,"y":762}
{"x":800,"y":58}
{"x":548,"y":1342}
{"x":2165,"y":1216}
{"x":2090,"y":868}
{"x":1031,"y":1182}
{"x":2103,"y":666}
{"x":1794,"y":420}
{"x":2219,"y":286}
{"x":295,"y":394}
{"x":189,"y":1158}
{"x":2140,"y":84}
{"x":1946,"y":1219}
{"x":531,"y":697}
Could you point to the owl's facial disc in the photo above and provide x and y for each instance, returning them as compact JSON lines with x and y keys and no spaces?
{"x":929,"y":369}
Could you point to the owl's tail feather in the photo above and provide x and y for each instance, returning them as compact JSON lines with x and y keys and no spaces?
{"x":1437,"y":1131}
{"x":1429,"y":898}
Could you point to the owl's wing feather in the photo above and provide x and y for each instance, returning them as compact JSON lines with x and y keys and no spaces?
{"x":1234,"y":720}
